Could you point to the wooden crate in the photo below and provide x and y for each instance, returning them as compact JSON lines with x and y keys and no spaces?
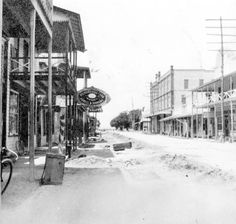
{"x":54,"y":169}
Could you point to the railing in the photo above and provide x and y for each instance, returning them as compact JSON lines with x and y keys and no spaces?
{"x":213,"y":97}
{"x":21,"y":66}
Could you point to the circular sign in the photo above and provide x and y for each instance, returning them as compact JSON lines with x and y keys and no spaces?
{"x":93,"y":97}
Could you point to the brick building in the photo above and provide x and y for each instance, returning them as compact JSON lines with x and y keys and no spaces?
{"x":171,"y":101}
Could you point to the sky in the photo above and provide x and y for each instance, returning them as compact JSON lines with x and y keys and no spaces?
{"x":129,"y":41}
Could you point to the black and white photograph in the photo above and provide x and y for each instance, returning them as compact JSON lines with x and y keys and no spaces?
{"x":118,"y":111}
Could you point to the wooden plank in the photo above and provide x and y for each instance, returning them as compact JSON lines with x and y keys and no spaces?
{"x":32,"y":92}
{"x":122,"y":146}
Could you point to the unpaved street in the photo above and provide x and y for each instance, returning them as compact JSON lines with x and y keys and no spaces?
{"x":145,"y":184}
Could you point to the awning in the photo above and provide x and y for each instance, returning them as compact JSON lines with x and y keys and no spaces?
{"x":175,"y":117}
{"x":63,"y":15}
{"x":166,"y":112}
{"x":80,"y":71}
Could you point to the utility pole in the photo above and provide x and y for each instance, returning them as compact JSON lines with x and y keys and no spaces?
{"x":222,"y":52}
{"x":222,"y":80}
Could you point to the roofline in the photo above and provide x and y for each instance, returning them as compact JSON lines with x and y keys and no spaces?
{"x":213,"y":81}
{"x":79,"y":19}
{"x":184,"y":69}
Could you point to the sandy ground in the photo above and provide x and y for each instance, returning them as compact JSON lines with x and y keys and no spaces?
{"x":158,"y":180}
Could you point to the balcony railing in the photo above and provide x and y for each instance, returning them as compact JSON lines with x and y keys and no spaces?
{"x":213,"y":97}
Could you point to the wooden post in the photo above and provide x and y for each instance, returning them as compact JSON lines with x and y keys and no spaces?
{"x":70,"y":127}
{"x":66,"y":88}
{"x":50,"y":94}
{"x":202,"y":119}
{"x":232,"y":121}
{"x":85,"y":113}
{"x":32,"y":86}
{"x":208,"y":111}
{"x":8,"y":89}
{"x":192,"y":117}
{"x":1,"y":75}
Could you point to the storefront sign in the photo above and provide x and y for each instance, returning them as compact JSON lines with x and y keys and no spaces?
{"x":93,"y":97}
{"x":95,"y":109}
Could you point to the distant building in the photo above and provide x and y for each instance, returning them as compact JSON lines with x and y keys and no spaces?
{"x":171,"y":101}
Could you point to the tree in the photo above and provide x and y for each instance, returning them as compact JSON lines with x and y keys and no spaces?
{"x":121,"y":121}
{"x":135,"y":118}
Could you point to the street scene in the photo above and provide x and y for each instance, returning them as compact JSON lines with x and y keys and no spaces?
{"x":118,"y":112}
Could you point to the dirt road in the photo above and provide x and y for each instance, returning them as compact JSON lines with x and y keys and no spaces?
{"x":133,"y":186}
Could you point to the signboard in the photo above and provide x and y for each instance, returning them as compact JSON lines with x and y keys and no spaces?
{"x":95,"y":109}
{"x":93,"y":97}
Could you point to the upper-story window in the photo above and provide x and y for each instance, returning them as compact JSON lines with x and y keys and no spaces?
{"x":201,"y":82}
{"x":186,"y":83}
{"x":183,"y":99}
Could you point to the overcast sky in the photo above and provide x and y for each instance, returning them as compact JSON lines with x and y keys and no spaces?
{"x":129,"y":41}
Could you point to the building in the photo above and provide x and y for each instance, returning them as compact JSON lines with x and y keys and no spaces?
{"x":214,"y":110}
{"x":171,"y":101}
{"x":38,"y":64}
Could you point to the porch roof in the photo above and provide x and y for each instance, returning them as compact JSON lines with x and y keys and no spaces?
{"x":165,"y":112}
{"x":74,"y":22}
{"x":16,"y":17}
{"x":80,"y":72}
{"x":176,"y":116}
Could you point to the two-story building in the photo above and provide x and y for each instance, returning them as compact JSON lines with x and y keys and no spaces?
{"x":213,"y":114}
{"x":38,"y":63}
{"x":171,"y":99}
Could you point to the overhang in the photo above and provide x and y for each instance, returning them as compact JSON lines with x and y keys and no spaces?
{"x":74,"y":21}
{"x":81,"y":71}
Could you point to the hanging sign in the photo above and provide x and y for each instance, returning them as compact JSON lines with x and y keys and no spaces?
{"x":93,"y":97}
{"x":95,"y":109}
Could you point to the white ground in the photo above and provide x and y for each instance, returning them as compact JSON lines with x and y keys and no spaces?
{"x":160,"y":180}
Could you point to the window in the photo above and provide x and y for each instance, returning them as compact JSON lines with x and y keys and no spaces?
{"x":13,"y":114}
{"x":183,"y":99}
{"x":185,"y":83}
{"x":201,"y":82}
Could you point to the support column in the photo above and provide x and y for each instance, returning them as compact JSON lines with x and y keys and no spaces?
{"x":232,"y":121}
{"x":50,"y":94}
{"x":1,"y":74}
{"x":32,"y":92}
{"x":197,"y":129}
{"x":8,"y":88}
{"x":202,"y":119}
{"x":202,"y":116}
{"x":192,"y":117}
{"x":85,"y":113}
{"x":70,"y":127}
{"x":208,"y":119}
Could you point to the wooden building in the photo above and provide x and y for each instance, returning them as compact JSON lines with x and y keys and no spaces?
{"x":213,"y":111}
{"x":38,"y":63}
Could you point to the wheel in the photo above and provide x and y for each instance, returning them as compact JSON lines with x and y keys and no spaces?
{"x":6,"y":173}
